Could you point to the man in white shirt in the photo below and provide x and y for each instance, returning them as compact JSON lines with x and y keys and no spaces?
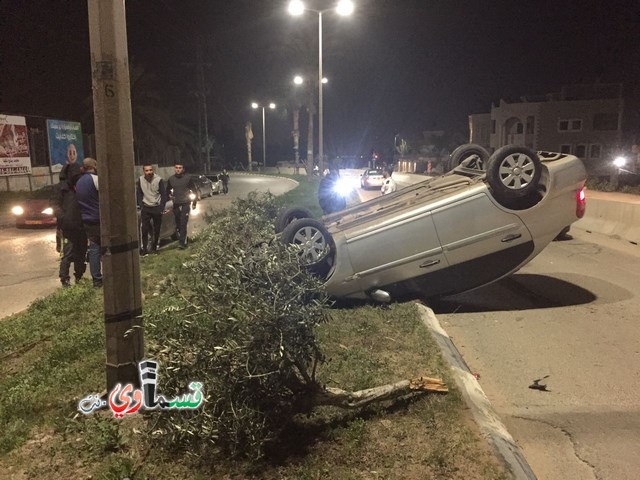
{"x":388,"y":184}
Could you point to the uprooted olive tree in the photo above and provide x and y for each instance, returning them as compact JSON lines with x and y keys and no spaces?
{"x":241,"y":321}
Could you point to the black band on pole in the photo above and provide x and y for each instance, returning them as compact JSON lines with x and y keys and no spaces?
{"x":119,"y":317}
{"x":122,"y":248}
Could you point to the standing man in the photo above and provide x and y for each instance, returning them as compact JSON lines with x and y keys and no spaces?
{"x":151,"y":195}
{"x":89,"y":201}
{"x":224,"y":176}
{"x":180,"y":187}
{"x":74,"y":238}
{"x":388,"y":184}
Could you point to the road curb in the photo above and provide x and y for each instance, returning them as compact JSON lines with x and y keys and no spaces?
{"x":483,"y":413}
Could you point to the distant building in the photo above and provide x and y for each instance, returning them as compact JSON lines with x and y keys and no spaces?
{"x":584,"y":120}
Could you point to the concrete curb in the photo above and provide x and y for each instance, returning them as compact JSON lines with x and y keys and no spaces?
{"x":617,"y":217}
{"x":483,"y":413}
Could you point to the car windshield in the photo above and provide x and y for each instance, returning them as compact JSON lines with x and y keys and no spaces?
{"x":374,"y":172}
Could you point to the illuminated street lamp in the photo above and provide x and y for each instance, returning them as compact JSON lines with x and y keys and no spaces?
{"x":344,"y":8}
{"x":272,"y":106}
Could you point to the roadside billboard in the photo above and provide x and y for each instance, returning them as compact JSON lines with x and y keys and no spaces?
{"x":64,"y":138}
{"x":14,"y":146}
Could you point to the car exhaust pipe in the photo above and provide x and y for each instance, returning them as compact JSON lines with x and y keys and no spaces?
{"x":380,"y":296}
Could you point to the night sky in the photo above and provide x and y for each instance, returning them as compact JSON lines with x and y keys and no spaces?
{"x":398,"y":66}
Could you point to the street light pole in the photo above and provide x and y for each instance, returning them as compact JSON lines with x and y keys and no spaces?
{"x":264,"y":141}
{"x":264,"y":136}
{"x":320,"y":103}
{"x":343,"y":8}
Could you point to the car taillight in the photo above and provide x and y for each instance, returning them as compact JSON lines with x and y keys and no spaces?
{"x":581,"y":202}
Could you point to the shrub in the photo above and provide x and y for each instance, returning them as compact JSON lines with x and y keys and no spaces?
{"x":241,"y":322}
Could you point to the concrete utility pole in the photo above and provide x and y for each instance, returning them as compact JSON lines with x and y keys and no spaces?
{"x":118,"y":218}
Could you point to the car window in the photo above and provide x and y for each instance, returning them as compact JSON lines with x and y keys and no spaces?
{"x":374,"y":172}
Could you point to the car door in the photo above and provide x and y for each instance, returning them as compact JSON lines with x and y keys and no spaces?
{"x":397,"y":246}
{"x":481,"y":240}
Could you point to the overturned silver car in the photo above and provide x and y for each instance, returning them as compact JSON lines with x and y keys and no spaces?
{"x":447,"y":234}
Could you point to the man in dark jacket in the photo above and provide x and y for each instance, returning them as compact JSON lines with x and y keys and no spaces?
{"x":224,"y":176}
{"x":151,"y":196}
{"x":89,"y":201}
{"x":182,"y":191}
{"x":74,"y":248}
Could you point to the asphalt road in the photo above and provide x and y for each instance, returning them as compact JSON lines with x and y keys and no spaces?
{"x":572,"y":314}
{"x":30,"y":261}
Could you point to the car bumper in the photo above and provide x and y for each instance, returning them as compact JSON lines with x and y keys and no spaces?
{"x":36,"y":222}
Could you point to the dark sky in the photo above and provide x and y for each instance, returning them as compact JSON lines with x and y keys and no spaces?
{"x":394,"y":67}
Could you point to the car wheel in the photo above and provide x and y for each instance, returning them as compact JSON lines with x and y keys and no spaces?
{"x":315,"y":242}
{"x":473,"y":156}
{"x":514,"y":172}
{"x":289,"y":215}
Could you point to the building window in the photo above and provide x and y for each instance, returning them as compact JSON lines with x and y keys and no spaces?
{"x":530,"y":122}
{"x":595,"y":151}
{"x":605,"y":121}
{"x":569,"y":125}
{"x":493,"y":126}
{"x":519,"y":128}
{"x":565,"y":148}
{"x":581,"y":151}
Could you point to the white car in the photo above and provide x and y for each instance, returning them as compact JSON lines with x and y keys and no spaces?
{"x":447,"y":234}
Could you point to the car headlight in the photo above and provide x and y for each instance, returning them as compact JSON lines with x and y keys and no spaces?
{"x":47,"y":211}
{"x":192,"y":196}
{"x":343,"y":187}
{"x":17,"y":210}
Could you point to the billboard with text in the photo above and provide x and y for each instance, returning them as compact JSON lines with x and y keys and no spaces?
{"x":14,"y":146}
{"x":64,"y":137}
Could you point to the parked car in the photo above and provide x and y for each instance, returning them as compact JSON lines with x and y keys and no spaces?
{"x":216,"y":184}
{"x":203,"y":186}
{"x":371,"y":178}
{"x":447,"y":234}
{"x":36,"y":211}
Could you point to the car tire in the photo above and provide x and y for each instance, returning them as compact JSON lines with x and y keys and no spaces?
{"x":317,"y":248}
{"x":513,"y":172}
{"x":475,"y":156}
{"x":287,"y":216}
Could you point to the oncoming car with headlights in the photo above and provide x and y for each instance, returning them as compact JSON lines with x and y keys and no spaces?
{"x":447,"y":234}
{"x":35,"y":212}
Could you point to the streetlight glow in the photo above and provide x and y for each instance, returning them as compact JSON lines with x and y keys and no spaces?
{"x":254,"y":105}
{"x":324,"y":80}
{"x":272,"y":105}
{"x":620,"y":162}
{"x":345,"y":8}
{"x":298,"y":80}
{"x":296,"y":7}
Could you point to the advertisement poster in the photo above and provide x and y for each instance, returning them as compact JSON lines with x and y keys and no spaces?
{"x":65,"y":138}
{"x":14,"y":146}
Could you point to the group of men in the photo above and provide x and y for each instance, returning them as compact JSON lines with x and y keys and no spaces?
{"x":152,"y":195}
{"x":77,"y":208}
